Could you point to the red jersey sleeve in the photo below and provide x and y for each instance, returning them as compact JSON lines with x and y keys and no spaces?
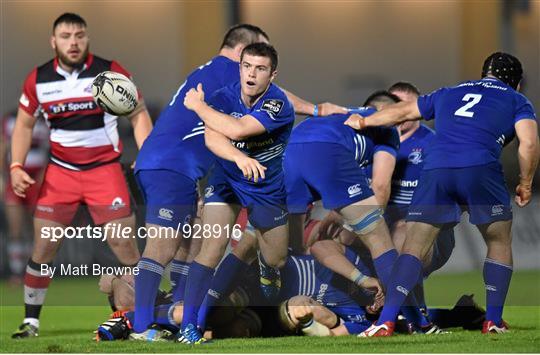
{"x":29,"y":101}
{"x":116,"y":67}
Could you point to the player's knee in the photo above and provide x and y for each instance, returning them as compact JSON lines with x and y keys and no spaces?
{"x":366,"y":223}
{"x":498,"y":236}
{"x":320,"y":247}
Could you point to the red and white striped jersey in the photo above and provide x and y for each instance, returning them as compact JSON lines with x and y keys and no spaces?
{"x":82,"y":135}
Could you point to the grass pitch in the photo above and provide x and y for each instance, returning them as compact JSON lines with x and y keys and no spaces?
{"x":75,"y":308}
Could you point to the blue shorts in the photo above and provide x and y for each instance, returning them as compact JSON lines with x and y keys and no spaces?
{"x":324,"y":171}
{"x":442,"y":250}
{"x":265,"y":202}
{"x":443,"y":194}
{"x":170,"y":197}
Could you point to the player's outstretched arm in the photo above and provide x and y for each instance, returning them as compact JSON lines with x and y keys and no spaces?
{"x":233,"y":128}
{"x":222,"y":147}
{"x":332,"y":255}
{"x":141,"y":123}
{"x":388,"y":116}
{"x":528,"y":155}
{"x":21,"y":141}
{"x":307,"y":108}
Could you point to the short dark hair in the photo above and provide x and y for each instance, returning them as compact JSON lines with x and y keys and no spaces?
{"x":262,"y":50}
{"x":504,"y":67}
{"x":404,"y":86}
{"x":242,"y":34}
{"x":70,"y":18}
{"x":381,"y":96}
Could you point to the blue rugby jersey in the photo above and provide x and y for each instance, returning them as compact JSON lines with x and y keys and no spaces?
{"x":363,"y":144}
{"x":474,"y":120}
{"x":409,"y":164}
{"x":274,"y":111}
{"x":303,"y":275}
{"x":177,"y":140}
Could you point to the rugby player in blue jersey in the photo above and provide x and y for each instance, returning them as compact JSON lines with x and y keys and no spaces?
{"x":474,"y":120}
{"x":247,"y":124}
{"x":324,"y":160}
{"x":170,"y":164}
{"x":415,"y":139}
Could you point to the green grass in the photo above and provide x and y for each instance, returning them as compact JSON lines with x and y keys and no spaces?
{"x":75,"y":308}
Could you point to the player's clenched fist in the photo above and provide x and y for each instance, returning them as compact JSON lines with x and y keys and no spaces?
{"x":194,"y":97}
{"x":251,"y":168}
{"x":355,"y":121}
{"x":372,"y":284}
{"x":303,"y":314}
{"x":20,"y":181}
{"x":523,"y":194}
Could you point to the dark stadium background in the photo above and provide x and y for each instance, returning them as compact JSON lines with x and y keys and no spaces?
{"x":337,"y":51}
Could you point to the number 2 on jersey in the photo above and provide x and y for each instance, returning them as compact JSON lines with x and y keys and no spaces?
{"x":471,"y":99}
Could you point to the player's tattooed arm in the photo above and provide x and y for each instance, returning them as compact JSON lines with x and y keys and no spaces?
{"x":388,"y":116}
{"x":221,"y":146}
{"x":528,"y":155}
{"x":235,"y":129}
{"x":303,"y":107}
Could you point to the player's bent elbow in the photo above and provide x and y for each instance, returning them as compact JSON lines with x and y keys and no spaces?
{"x":529,"y":145}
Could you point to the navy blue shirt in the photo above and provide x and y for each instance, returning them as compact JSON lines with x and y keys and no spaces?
{"x":474,"y":120}
{"x":409,"y":164}
{"x":304,"y":275}
{"x":177,"y":140}
{"x":274,"y":111}
{"x":363,"y":144}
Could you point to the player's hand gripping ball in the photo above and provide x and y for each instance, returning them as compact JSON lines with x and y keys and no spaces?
{"x":114,"y":93}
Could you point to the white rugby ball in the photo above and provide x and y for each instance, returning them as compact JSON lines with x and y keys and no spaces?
{"x":115,"y":93}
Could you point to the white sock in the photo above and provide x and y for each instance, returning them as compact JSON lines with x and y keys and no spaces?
{"x":32,"y":321}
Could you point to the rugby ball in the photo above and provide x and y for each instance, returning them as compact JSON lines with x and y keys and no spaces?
{"x":115,"y":93}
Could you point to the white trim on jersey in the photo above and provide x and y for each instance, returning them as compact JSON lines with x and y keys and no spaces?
{"x":307,"y":279}
{"x":87,"y":139}
{"x":64,"y":89}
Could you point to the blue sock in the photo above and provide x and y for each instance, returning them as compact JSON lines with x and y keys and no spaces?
{"x":223,"y":283}
{"x":163,"y":317}
{"x":497,"y":280}
{"x":404,"y":277}
{"x":411,"y":311}
{"x":146,"y":288}
{"x":179,"y":272}
{"x":383,"y":265}
{"x":197,"y":285}
{"x":130,"y":316}
{"x":419,"y":294}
